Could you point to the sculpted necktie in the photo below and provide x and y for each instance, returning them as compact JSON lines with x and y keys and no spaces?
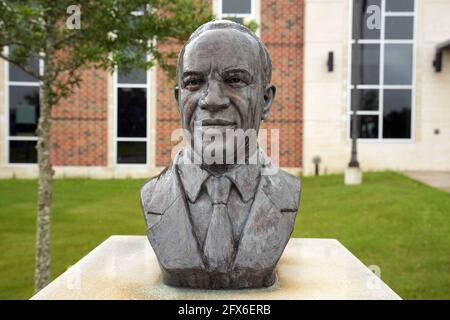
{"x":218,"y":247}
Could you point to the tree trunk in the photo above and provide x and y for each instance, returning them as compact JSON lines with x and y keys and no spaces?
{"x":45,"y":185}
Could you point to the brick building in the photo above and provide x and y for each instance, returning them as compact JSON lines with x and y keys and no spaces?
{"x":119,"y":126}
{"x":325,"y":59}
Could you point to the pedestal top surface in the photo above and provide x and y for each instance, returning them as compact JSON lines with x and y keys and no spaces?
{"x":125,"y":267}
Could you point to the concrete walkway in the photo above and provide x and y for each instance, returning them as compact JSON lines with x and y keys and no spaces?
{"x":436,"y":179}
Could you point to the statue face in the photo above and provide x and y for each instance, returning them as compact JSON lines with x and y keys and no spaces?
{"x":221,"y":86}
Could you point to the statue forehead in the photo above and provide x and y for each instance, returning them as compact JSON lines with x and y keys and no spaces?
{"x":224,"y":44}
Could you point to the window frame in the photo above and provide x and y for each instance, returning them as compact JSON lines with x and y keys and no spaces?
{"x":381,"y":86}
{"x":252,"y":15}
{"x":147,"y":87}
{"x":116,"y":138}
{"x":8,"y":137}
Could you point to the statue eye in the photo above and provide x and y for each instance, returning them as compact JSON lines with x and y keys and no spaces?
{"x":235,"y":82}
{"x":193,"y":84}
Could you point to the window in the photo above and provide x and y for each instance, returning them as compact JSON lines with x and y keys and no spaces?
{"x":131,"y":116}
{"x":131,"y":110}
{"x":236,"y":10}
{"x":22,"y":113}
{"x":382,"y":76}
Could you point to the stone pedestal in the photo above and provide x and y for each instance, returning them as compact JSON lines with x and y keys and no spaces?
{"x":125,"y":267}
{"x":353,"y":176}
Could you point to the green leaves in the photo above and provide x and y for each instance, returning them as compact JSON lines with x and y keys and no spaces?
{"x":109,"y":31}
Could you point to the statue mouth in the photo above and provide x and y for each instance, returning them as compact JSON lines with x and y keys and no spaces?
{"x":218,"y":123}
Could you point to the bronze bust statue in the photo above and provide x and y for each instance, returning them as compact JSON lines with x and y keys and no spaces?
{"x":221,"y":224}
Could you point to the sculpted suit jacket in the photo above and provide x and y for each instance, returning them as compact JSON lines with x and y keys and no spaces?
{"x":265,"y":233}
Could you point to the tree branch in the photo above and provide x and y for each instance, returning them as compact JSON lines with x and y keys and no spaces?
{"x":24,"y":68}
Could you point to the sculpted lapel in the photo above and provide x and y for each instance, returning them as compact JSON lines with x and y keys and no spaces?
{"x":270,"y":223}
{"x":169,"y":226}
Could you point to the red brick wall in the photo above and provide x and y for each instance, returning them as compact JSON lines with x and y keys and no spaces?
{"x":79,"y":132}
{"x":282,"y":32}
{"x":79,"y":127}
{"x":167,"y":115}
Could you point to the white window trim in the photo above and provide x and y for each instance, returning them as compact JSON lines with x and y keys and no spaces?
{"x":146,"y":139}
{"x":382,"y":41}
{"x":148,"y":86}
{"x":8,"y":137}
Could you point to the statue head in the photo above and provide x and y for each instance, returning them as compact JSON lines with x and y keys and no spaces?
{"x":223,"y":82}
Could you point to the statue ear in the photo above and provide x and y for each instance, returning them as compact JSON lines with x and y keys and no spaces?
{"x":176,"y":91}
{"x":269,"y":95}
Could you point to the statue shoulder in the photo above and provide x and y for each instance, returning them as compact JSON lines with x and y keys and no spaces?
{"x":148,"y":189}
{"x":293,"y":181}
{"x":283,"y":189}
{"x":293,"y":184}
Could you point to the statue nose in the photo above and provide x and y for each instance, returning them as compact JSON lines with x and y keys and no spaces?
{"x":214,"y":98}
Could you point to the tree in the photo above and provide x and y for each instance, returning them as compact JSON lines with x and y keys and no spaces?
{"x":92,"y":33}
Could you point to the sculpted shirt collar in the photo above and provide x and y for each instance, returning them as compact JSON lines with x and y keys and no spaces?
{"x":244,"y":177}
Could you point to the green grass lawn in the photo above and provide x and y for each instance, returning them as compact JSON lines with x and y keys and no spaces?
{"x":390,"y":221}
